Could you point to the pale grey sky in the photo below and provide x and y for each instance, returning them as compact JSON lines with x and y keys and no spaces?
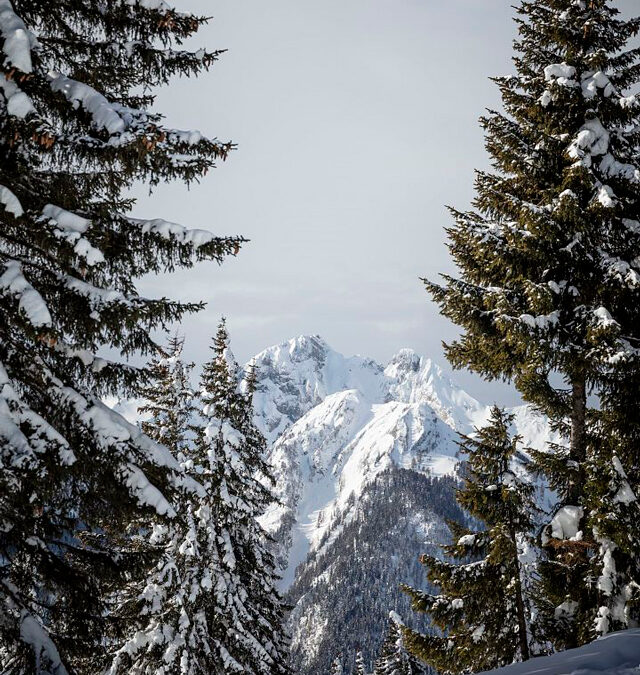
{"x":356,"y":122}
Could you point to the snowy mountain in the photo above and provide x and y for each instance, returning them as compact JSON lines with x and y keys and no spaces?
{"x":340,"y":430}
{"x":298,"y":375}
{"x":366,"y":462}
{"x":336,"y":423}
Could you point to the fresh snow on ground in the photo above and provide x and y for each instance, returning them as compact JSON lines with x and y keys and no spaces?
{"x":614,"y":654}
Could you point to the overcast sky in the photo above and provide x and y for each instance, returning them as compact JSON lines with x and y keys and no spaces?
{"x":356,"y":123}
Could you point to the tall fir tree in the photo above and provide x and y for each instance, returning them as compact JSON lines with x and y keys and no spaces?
{"x":361,"y":669}
{"x":79,"y":486}
{"x":483,"y":608}
{"x":169,"y":400}
{"x":549,"y":269}
{"x":169,"y":630}
{"x":248,"y":616}
{"x":211,"y":607}
{"x":394,"y":657}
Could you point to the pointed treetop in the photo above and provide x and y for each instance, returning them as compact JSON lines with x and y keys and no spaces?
{"x":250,"y":381}
{"x":221,"y":340}
{"x":175,"y":344}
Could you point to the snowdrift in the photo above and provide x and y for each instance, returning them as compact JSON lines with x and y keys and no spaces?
{"x":615,"y":654}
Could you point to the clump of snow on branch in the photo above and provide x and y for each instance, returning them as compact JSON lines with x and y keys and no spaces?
{"x":592,"y":141}
{"x":18,"y":41}
{"x":565,"y":525}
{"x":13,"y":282}
{"x":10,"y":201}
{"x":14,"y":415}
{"x":70,"y":227}
{"x":560,"y":73}
{"x":175,"y":232}
{"x":155,"y":5}
{"x":592,"y":82}
{"x":624,"y":494}
{"x":46,"y":653}
{"x":105,"y":115}
{"x":18,"y":104}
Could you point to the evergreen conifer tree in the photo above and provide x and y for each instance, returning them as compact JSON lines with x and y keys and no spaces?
{"x":211,"y":607}
{"x":167,"y":612}
{"x":549,"y":266}
{"x":394,"y":658}
{"x":169,"y":399}
{"x":79,"y":486}
{"x":336,"y":667}
{"x":483,"y":608}
{"x":360,"y":667}
{"x":248,"y":619}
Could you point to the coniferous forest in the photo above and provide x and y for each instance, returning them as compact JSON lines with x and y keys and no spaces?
{"x":302,"y":512}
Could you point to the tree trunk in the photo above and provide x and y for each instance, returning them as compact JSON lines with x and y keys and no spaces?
{"x":578,"y":447}
{"x":522,"y":620}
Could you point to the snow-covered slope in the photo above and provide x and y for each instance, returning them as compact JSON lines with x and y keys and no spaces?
{"x":614,"y":654}
{"x":336,"y":423}
{"x":361,"y":454}
{"x":299,"y":374}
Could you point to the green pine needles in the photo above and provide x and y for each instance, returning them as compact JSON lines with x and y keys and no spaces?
{"x":483,"y":606}
{"x":548,"y":296}
{"x":80,"y":488}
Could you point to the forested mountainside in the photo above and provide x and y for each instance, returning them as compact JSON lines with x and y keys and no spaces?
{"x":344,"y":590}
{"x":366,"y":463}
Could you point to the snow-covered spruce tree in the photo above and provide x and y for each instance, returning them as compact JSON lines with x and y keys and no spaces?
{"x":166,"y":611}
{"x":210,"y":607}
{"x":548,"y":259}
{"x":246,"y":614}
{"x":169,"y":399}
{"x":483,"y":608}
{"x":394,"y":658}
{"x":360,"y":666}
{"x":76,"y":131}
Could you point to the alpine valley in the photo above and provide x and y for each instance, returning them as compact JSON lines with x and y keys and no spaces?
{"x":366,"y":462}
